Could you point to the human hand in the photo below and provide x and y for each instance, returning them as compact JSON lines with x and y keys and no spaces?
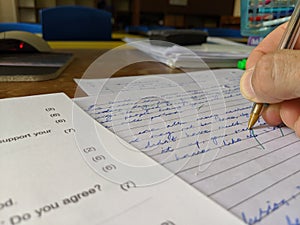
{"x":273,"y":76}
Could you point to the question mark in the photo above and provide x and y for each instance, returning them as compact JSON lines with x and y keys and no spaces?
{"x":97,"y":186}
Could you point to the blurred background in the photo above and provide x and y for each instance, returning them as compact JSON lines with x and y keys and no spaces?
{"x":125,"y":13}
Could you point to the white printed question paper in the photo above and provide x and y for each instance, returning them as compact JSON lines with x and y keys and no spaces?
{"x":59,"y":166}
{"x":195,"y":124}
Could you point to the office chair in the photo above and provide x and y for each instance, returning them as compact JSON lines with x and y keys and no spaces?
{"x":32,"y":28}
{"x":76,"y":23}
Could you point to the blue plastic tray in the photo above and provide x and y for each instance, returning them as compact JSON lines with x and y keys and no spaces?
{"x":260,"y":17}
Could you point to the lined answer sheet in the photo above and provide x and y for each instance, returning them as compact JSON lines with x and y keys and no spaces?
{"x":57,"y":167}
{"x":195,"y":124}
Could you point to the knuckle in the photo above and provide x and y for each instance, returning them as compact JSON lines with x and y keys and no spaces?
{"x":265,"y":76}
{"x":287,"y":74}
{"x":277,"y":76}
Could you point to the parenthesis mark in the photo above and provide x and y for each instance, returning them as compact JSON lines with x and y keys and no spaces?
{"x":98,"y":158}
{"x":89,"y":149}
{"x":109,"y":168}
{"x":69,"y":131}
{"x":126,"y":186}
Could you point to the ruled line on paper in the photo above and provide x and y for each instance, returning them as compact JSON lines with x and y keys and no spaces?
{"x":235,"y":166}
{"x":265,"y":189}
{"x":234,"y":153}
{"x":261,"y":171}
{"x":230,"y":160}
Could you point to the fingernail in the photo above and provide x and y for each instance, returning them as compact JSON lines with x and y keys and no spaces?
{"x":246,"y":84}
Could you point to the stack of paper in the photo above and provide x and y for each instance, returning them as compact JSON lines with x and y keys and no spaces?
{"x":59,"y":166}
{"x":216,"y":53}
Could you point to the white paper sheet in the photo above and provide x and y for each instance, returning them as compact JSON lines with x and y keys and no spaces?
{"x":216,"y":53}
{"x":57,"y":166}
{"x":195,"y":126}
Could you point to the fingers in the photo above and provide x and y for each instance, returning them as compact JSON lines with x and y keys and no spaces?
{"x":268,"y":45}
{"x":290,"y":113}
{"x":287,"y":112}
{"x":275,"y":78}
{"x":271,"y":115}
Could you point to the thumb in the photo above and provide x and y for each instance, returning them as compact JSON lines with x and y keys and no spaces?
{"x":275,"y":78}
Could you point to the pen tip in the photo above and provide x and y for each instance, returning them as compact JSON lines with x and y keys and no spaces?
{"x":250,"y":124}
{"x":253,"y":119}
{"x":255,"y":113}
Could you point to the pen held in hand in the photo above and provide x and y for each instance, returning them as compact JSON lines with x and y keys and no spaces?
{"x":255,"y":113}
{"x":288,"y":41}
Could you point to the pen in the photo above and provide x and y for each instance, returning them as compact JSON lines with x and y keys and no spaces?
{"x":288,"y":41}
{"x":271,"y":22}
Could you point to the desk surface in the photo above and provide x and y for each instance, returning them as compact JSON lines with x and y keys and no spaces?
{"x":65,"y":83}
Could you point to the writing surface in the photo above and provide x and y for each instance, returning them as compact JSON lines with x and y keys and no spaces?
{"x":45,"y":144}
{"x":194,"y":124}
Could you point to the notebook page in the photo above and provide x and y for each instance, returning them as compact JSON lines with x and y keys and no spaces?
{"x":45,"y":142}
{"x":196,"y":127}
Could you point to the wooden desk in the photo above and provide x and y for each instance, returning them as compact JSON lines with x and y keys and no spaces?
{"x":65,"y":83}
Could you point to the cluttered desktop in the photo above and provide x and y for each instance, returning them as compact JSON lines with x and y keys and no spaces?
{"x":140,"y":130}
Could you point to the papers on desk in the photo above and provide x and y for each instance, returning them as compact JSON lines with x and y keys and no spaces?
{"x":59,"y":166}
{"x":216,"y":53}
{"x":195,"y":125}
